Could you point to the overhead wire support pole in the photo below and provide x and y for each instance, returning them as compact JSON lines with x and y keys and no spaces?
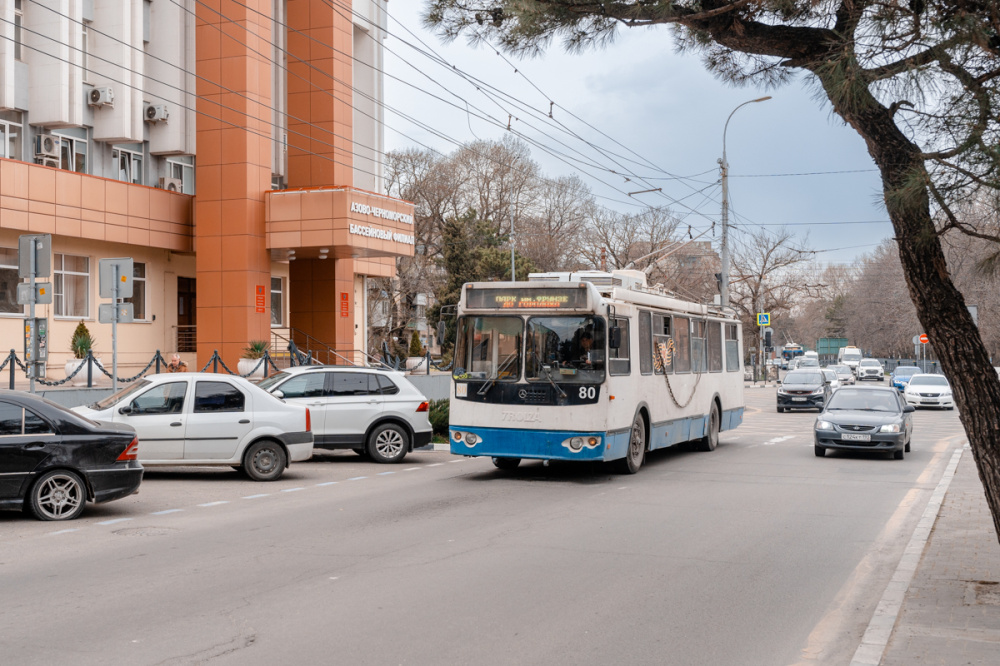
{"x":724,"y":169}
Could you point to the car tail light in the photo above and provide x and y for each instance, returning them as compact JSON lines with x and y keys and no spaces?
{"x":424,"y":406}
{"x":131,"y":451}
{"x":309,"y":420}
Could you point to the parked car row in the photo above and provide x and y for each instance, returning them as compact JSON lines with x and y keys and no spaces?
{"x":53,"y":460}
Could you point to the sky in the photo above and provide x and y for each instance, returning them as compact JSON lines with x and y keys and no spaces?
{"x":668,"y":110}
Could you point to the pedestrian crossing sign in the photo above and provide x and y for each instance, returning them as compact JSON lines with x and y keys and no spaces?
{"x":763,"y":318}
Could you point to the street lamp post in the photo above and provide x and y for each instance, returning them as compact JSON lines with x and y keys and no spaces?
{"x":724,"y":167}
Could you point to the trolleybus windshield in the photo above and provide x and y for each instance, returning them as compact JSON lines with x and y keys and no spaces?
{"x":566,"y":349}
{"x":488,"y":348}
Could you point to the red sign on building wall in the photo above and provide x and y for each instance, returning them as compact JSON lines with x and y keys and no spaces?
{"x":260,"y":299}
{"x":345,"y":304}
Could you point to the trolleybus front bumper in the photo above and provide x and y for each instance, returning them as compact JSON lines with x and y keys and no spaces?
{"x":538,"y":444}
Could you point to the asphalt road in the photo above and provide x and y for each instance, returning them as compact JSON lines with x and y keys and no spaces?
{"x":756,"y":553}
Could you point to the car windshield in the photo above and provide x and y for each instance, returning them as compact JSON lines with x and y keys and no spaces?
{"x":851,"y":356}
{"x":803,"y":378}
{"x":906,"y":371}
{"x":808,"y":363}
{"x":273,"y":380}
{"x":842,"y":370}
{"x":869,"y":362}
{"x":112,"y":400}
{"x":565,"y":349}
{"x":865,"y":400}
{"x":488,"y":348}
{"x":929,"y":380}
{"x":830,"y":374}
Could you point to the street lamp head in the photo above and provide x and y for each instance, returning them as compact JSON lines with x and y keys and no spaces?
{"x":762,"y":99}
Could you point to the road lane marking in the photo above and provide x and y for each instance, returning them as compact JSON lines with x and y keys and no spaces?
{"x":292,"y":490}
{"x":411,"y":469}
{"x":67,"y":531}
{"x":358,"y":478}
{"x":256,"y":496}
{"x":165,"y":512}
{"x":879,"y":630}
{"x":214,"y":503}
{"x":328,"y":483}
{"x":114,"y":520}
{"x":459,"y":460}
{"x":435,"y":464}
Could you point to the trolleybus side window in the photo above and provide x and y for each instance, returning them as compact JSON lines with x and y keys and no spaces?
{"x":699,"y":362}
{"x":620,"y":363}
{"x":662,"y":336}
{"x":682,"y":345}
{"x":489,"y":348}
{"x":732,"y":349}
{"x":714,"y":346}
{"x":566,"y":349}
{"x":645,"y":343}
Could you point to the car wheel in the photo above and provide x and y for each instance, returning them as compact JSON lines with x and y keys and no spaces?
{"x":897,"y":455}
{"x":57,"y":495}
{"x":636,"y":452}
{"x":506,"y":464}
{"x":388,"y":443}
{"x":907,"y":447}
{"x":820,"y":451}
{"x":265,"y":461}
{"x":711,"y":439}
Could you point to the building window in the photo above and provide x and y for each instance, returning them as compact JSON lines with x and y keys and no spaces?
{"x":276,"y":301}
{"x":18,"y":35}
{"x":71,"y":288}
{"x":128,"y":164}
{"x":11,"y":131}
{"x":8,"y":282}
{"x":138,"y":299}
{"x":182,"y":169}
{"x":73,"y":153}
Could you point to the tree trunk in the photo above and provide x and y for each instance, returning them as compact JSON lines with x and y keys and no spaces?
{"x":941,"y":308}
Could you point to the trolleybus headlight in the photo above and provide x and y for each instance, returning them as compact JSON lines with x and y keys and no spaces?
{"x":576,"y":443}
{"x":471,"y":438}
{"x":593,"y":441}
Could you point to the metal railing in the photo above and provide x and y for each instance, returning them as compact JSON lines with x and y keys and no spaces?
{"x":187,"y":338}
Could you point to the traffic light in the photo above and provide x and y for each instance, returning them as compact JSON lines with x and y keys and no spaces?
{"x":718,"y":282}
{"x":767,"y":340}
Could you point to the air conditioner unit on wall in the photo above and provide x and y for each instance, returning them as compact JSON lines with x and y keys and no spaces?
{"x":155,"y":113}
{"x":48,"y":161}
{"x":101,"y":97}
{"x":46,"y":145}
{"x":172,"y":184}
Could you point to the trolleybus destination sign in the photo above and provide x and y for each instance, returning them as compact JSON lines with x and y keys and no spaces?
{"x":526,"y":298}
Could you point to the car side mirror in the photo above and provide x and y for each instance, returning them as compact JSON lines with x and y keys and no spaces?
{"x":615,"y":338}
{"x":127,"y":409}
{"x":277,"y":393}
{"x":908,"y":409}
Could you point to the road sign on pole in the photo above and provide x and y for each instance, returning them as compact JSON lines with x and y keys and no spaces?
{"x":116,"y":283}
{"x":763,"y":318}
{"x":924,"y":339}
{"x":43,"y":293}
{"x":34,"y":256}
{"x":34,"y":260}
{"x":116,"y":273}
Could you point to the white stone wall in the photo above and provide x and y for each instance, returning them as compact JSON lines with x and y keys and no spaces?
{"x":369,"y":32}
{"x":118,"y":63}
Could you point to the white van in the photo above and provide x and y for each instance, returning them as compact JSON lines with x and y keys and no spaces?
{"x":811,"y":354}
{"x":851,"y":357}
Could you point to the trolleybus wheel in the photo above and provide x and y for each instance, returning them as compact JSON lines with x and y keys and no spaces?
{"x":506,"y":463}
{"x":636,"y":452}
{"x":711,"y":438}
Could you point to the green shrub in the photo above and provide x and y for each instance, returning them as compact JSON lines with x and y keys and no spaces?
{"x":255,"y":349}
{"x":416,"y":349}
{"x":82,"y":341}
{"x":438,"y":416}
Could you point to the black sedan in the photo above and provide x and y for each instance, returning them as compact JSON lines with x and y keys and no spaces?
{"x":803,"y":389}
{"x":52,"y":460}
{"x":857,"y":419}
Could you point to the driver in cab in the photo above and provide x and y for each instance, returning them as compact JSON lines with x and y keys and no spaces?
{"x":584,"y":355}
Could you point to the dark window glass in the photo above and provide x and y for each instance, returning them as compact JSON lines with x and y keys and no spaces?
{"x":645,"y":344}
{"x":308,"y":385}
{"x":35,"y":424}
{"x":663,"y":349}
{"x":714,"y":346}
{"x":699,"y":363}
{"x":163,"y":399}
{"x":682,"y":345}
{"x":217,"y":397}
{"x":386,"y":385}
{"x":732,"y":349}
{"x":350,"y":383}
{"x":621,"y":363}
{"x":10,"y":419}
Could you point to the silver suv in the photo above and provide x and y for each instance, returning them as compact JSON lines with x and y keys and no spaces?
{"x":377,"y":413}
{"x":869,"y":368}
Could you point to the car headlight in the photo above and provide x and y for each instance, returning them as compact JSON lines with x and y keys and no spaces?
{"x":819,"y":391}
{"x":782,"y":391}
{"x":889,"y":427}
{"x":824,"y":425}
{"x":946,"y":394}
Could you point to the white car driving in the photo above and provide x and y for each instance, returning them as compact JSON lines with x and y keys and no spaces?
{"x":929,"y":390}
{"x":192,"y":418}
{"x":378,"y":413}
{"x":870,"y":368}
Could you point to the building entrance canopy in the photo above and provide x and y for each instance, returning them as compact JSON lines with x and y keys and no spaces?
{"x":343,"y":221}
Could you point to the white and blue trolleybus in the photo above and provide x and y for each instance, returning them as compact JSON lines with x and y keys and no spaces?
{"x":590,"y":366}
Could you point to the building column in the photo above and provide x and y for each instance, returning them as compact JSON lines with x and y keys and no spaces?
{"x":234,"y":171}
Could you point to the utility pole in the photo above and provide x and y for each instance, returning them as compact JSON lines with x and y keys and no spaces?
{"x":513,"y":275}
{"x":724,"y":172}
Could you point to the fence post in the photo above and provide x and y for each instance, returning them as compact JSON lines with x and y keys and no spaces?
{"x":157,"y":361}
{"x":11,"y":360}
{"x":267,"y":360}
{"x":215,"y":361}
{"x":90,"y":369}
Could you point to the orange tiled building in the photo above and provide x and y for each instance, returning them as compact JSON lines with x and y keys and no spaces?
{"x":232,"y":149}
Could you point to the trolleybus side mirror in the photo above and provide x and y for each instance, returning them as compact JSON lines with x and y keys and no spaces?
{"x":615,"y":337}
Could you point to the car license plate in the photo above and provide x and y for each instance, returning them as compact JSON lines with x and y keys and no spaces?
{"x":851,"y":437}
{"x":798,"y":399}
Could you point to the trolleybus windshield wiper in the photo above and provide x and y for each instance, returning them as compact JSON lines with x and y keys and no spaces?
{"x":493,"y":380}
{"x":547,"y":369}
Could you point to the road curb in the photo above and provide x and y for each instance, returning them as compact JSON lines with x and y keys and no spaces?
{"x":879,"y":630}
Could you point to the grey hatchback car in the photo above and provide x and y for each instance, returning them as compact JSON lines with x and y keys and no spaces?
{"x":860,"y":419}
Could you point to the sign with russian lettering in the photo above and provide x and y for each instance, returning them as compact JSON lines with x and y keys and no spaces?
{"x":345,"y":304}
{"x":381,"y":234}
{"x":381,"y":213}
{"x":526,"y":298}
{"x":259,"y":298}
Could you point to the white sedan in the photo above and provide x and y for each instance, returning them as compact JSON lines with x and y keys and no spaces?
{"x":208,"y":419}
{"x":929,"y":390}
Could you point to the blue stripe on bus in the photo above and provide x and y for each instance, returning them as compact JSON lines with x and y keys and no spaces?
{"x":731,"y":418}
{"x":522,"y":443}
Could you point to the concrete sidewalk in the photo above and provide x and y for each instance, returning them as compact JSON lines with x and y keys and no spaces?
{"x":951,"y":611}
